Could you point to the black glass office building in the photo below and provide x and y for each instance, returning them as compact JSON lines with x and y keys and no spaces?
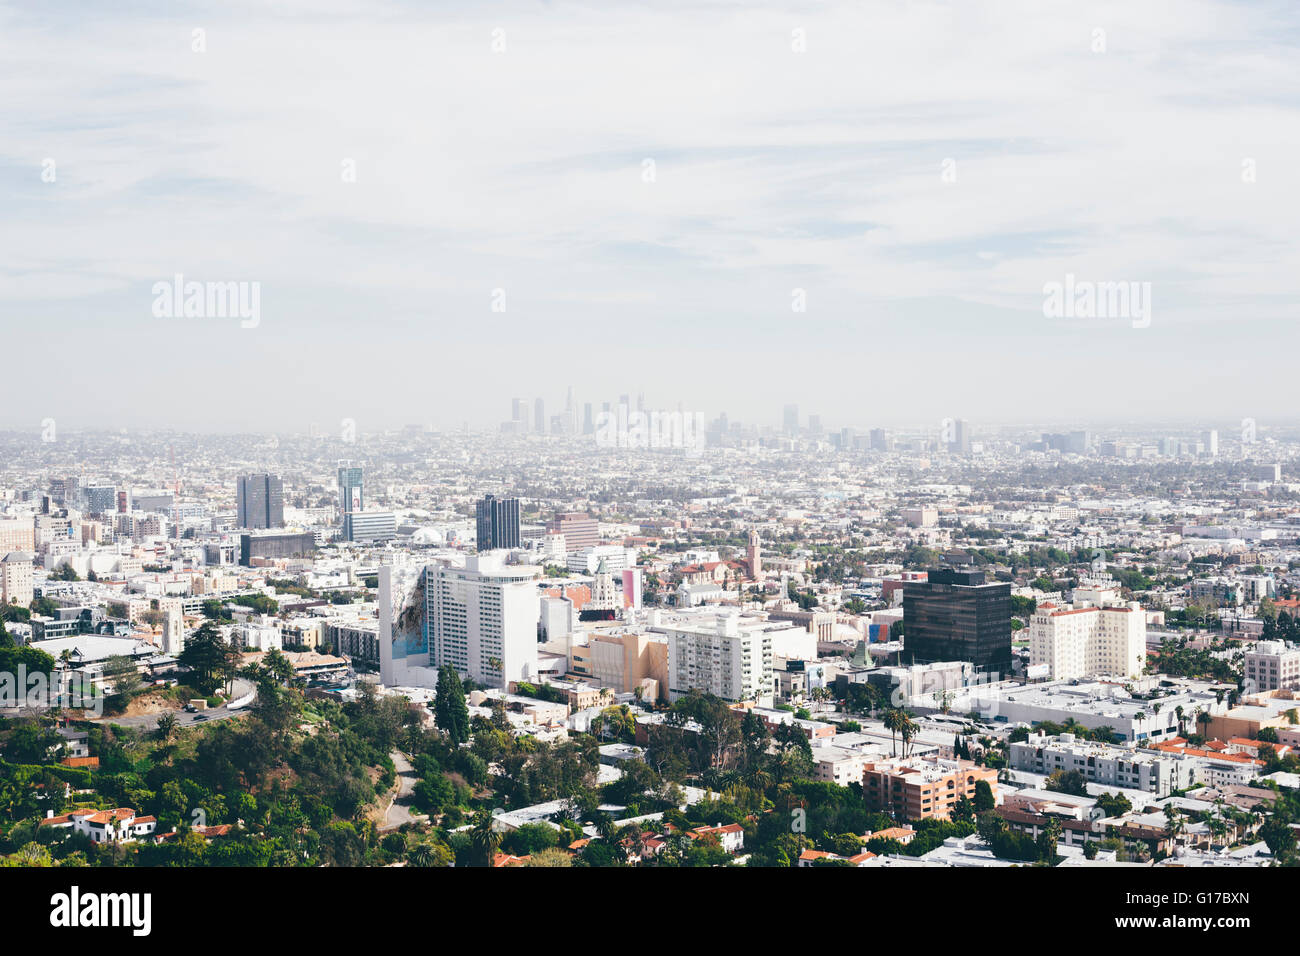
{"x":259,"y":502}
{"x":498,"y":523}
{"x":956,"y":616}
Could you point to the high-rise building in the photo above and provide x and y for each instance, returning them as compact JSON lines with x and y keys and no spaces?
{"x":497,"y":523}
{"x":539,"y":416}
{"x":259,"y":501}
{"x":719,"y":656}
{"x":1099,"y":635}
{"x":955,"y":616}
{"x":351,"y":488}
{"x":960,"y":444}
{"x":791,"y":420}
{"x":101,"y":499}
{"x":1210,"y":439}
{"x":580,"y":530}
{"x":16,"y":580}
{"x":482,"y":619}
{"x":366,"y":527}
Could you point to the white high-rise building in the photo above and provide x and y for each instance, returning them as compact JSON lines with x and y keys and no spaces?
{"x":720,"y":656}
{"x":1098,"y":635}
{"x":482,"y":619}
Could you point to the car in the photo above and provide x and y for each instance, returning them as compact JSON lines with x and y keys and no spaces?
{"x":198,"y":717}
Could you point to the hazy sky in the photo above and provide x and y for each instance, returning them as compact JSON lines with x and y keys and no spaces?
{"x":919,"y":170}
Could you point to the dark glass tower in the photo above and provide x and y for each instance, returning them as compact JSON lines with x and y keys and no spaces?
{"x":955,"y":616}
{"x":259,"y":501}
{"x":498,"y":523}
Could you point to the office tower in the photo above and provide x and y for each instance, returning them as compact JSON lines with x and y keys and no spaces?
{"x":259,"y":501}
{"x":539,"y":416}
{"x":1210,"y":439}
{"x":791,"y":419}
{"x":580,"y":530}
{"x":960,"y":443}
{"x":123,"y":502}
{"x":1076,"y":443}
{"x":956,"y":616}
{"x":879,"y":440}
{"x":284,"y":545}
{"x":101,"y":499}
{"x":369,"y":527}
{"x":482,"y":619}
{"x":588,"y":420}
{"x":815,"y":426}
{"x":351,"y":488}
{"x":497,"y":523}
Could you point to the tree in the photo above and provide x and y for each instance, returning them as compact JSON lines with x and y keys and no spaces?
{"x":485,"y":837}
{"x":167,"y":724}
{"x":450,"y":714}
{"x":120,"y":671}
{"x":205,"y":654}
{"x":984,"y":799}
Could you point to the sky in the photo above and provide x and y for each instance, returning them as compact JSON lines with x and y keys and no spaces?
{"x":858,"y":207}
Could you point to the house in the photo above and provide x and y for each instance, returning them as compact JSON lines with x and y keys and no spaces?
{"x":121,"y":825}
{"x":730,"y":837}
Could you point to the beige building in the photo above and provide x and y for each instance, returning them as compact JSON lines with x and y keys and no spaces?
{"x":16,"y":579}
{"x":17,"y":534}
{"x":623,"y":661}
{"x":1098,"y":635}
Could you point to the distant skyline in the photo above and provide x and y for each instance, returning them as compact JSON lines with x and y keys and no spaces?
{"x":913,"y":174}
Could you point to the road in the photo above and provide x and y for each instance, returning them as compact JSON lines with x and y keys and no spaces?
{"x":399,"y":811}
{"x":150,"y":721}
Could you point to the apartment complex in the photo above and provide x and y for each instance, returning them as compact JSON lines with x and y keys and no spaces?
{"x":719,"y":655}
{"x":482,"y":619}
{"x":1272,"y":665}
{"x":1109,"y":766}
{"x":917,"y":788}
{"x":1087,"y":639}
{"x":16,"y":579}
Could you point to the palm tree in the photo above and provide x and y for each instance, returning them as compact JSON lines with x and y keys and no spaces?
{"x":421,"y":855}
{"x":485,"y":838}
{"x":907,"y":730}
{"x":894,"y":719}
{"x":167,"y":726}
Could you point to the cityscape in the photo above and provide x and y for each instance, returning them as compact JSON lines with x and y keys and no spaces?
{"x":451,"y":439}
{"x":781,"y":645}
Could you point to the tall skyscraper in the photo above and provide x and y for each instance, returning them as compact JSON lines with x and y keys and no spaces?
{"x":791,"y":419}
{"x":960,"y":444}
{"x":956,"y":616}
{"x":497,"y":523}
{"x":1210,"y":439}
{"x":351,"y":488}
{"x":588,"y":420}
{"x":259,"y":501}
